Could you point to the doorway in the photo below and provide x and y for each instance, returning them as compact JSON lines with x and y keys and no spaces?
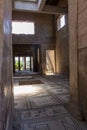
{"x":50,"y":61}
{"x":23,"y":63}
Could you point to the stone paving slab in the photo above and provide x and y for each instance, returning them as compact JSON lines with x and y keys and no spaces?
{"x":20,"y":104}
{"x":64,"y":123}
{"x":43,"y":113}
{"x":43,"y":101}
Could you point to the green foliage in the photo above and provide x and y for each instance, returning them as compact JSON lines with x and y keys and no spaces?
{"x":16,"y":65}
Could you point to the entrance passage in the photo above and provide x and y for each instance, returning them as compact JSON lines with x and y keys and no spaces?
{"x":26,"y":58}
{"x":50,"y":61}
{"x":23,"y":63}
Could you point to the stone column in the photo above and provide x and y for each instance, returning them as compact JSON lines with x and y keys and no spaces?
{"x":30,"y":63}
{"x":24,"y":63}
{"x":5,"y":65}
{"x":74,"y":106}
{"x":13,"y":64}
{"x":19,"y":63}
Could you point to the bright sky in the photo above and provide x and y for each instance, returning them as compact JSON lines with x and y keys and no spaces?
{"x":23,"y":28}
{"x":27,"y":58}
{"x":62,"y":21}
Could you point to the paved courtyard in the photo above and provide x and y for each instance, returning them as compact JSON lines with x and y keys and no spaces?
{"x":39,"y":104}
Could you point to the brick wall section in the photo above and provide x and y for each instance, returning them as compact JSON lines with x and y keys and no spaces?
{"x":5,"y":64}
{"x":44,"y":33}
{"x":82,"y":55}
{"x":62,"y":49}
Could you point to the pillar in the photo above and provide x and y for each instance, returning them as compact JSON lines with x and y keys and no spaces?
{"x":19,"y":63}
{"x":30,"y":63}
{"x":13,"y":64}
{"x":74,"y":105}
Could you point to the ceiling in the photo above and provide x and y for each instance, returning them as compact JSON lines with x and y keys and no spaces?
{"x":52,"y":2}
{"x":41,"y":6}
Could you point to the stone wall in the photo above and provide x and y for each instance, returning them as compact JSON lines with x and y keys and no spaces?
{"x":78,"y":57}
{"x":82,"y":55}
{"x":44,"y":33}
{"x":62,"y":49}
{"x":5,"y":65}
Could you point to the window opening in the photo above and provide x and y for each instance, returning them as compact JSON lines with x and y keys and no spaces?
{"x":60,"y":22}
{"x":23,"y":28}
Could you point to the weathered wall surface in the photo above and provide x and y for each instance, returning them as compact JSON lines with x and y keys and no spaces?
{"x":44,"y":33}
{"x":82,"y":55}
{"x":62,"y":49}
{"x":5,"y":65}
{"x":78,"y":57}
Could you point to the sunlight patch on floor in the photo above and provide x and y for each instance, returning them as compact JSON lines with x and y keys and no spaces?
{"x":49,"y":73}
{"x":27,"y":89}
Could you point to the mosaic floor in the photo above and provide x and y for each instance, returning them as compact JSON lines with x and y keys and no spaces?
{"x":41,"y":106}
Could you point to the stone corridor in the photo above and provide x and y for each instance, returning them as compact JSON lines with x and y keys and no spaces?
{"x":39,"y":104}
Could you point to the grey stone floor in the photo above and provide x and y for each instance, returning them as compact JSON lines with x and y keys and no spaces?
{"x":41,"y":106}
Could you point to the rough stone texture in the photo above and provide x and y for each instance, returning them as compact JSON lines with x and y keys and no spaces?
{"x":62,"y":49}
{"x":73,"y":56}
{"x":78,"y":56}
{"x":82,"y":55}
{"x":5,"y":65}
{"x":44,"y":33}
{"x":83,"y":81}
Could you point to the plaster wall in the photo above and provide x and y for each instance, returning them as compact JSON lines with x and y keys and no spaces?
{"x":6,"y":98}
{"x":62,"y":49}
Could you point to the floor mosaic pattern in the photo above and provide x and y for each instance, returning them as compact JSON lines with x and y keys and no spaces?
{"x":41,"y":106}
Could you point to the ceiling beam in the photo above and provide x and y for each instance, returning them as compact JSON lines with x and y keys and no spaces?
{"x":42,"y":12}
{"x":33,"y":7}
{"x":41,"y":4}
{"x":55,"y":9}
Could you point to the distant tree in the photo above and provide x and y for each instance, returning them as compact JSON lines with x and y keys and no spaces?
{"x":16,"y":65}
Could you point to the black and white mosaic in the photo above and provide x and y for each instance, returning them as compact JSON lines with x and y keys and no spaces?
{"x":42,"y":108}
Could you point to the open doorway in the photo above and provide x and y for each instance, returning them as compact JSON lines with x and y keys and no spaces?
{"x":50,"y":62}
{"x":23,"y":63}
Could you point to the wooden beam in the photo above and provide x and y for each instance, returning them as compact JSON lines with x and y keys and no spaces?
{"x":41,"y":4}
{"x":60,"y":11}
{"x":55,"y":9}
